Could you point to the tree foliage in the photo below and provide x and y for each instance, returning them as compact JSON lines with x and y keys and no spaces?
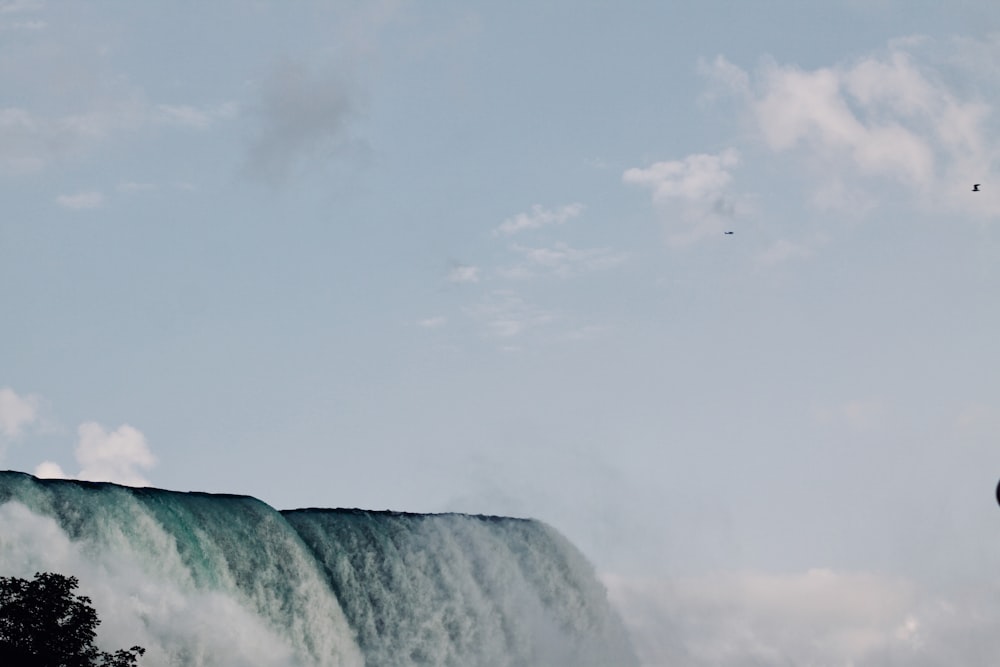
{"x":44,"y":624}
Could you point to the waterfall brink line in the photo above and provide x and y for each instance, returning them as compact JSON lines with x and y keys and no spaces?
{"x":209,"y":579}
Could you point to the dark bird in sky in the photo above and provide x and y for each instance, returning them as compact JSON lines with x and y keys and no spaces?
{"x":975,"y":188}
{"x":727,"y":232}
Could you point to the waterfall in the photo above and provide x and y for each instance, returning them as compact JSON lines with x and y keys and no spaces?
{"x":223,"y":580}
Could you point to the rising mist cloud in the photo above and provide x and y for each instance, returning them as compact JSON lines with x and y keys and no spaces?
{"x":117,"y":456}
{"x":16,"y":412}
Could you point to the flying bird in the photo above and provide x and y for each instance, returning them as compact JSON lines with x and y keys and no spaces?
{"x":727,"y":232}
{"x":975,"y":188}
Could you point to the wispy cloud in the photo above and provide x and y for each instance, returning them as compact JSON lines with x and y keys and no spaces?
{"x":588,"y":332}
{"x":700,"y":177}
{"x":117,"y":456}
{"x":435,"y":322}
{"x":31,"y":141}
{"x":560,"y":260}
{"x":186,"y":115}
{"x":16,"y":9}
{"x":783,"y":250}
{"x":81,"y":200}
{"x":132,"y":187}
{"x":691,"y":192}
{"x":23,"y":25}
{"x":538,"y":216}
{"x":505,"y":314}
{"x":464,"y":274}
{"x":20,"y":6}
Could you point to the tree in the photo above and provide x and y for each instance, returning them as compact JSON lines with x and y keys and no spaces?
{"x":44,"y":624}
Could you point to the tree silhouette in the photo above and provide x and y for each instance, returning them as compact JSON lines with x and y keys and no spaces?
{"x":44,"y":624}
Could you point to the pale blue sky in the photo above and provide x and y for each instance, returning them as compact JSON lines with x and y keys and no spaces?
{"x":469,"y":256}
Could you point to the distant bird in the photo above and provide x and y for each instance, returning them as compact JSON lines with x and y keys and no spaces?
{"x":975,"y":188}
{"x":727,"y":232}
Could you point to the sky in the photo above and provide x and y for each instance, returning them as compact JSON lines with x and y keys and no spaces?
{"x":467,"y":256}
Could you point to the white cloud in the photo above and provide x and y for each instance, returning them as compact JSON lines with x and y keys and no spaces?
{"x":691,"y":192}
{"x":697,"y":177}
{"x":817,"y":617}
{"x":81,"y":200}
{"x":464,"y":274}
{"x":812,"y":108}
{"x":885,"y":119}
{"x":727,"y":77}
{"x":50,"y":470}
{"x":17,"y":412}
{"x":117,"y":456}
{"x":113,"y":456}
{"x":538,"y":217}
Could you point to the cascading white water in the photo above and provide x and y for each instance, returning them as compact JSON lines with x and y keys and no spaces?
{"x":463,"y":591}
{"x":228,"y":581}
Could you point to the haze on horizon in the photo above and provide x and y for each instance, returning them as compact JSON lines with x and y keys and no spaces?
{"x":472,"y":257}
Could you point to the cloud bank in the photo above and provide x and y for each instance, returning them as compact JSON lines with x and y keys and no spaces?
{"x":817,"y":617}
